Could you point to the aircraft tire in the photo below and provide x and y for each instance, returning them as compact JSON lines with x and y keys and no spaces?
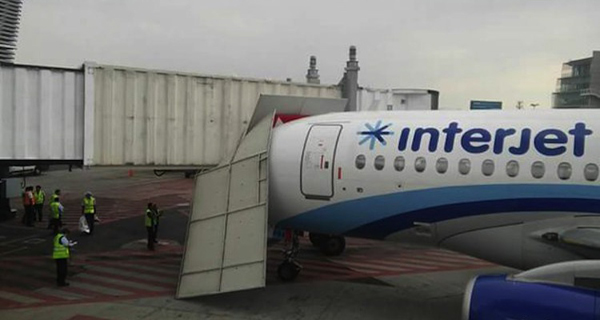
{"x":288,"y":271}
{"x":333,"y":246}
{"x":316,"y":239}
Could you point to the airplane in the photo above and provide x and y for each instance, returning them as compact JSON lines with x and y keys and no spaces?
{"x":517,"y":188}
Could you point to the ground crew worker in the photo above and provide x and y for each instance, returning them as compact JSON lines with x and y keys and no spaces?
{"x":56,"y":194}
{"x":157,"y":214}
{"x":40,"y":198}
{"x":28,"y":205}
{"x":56,"y":213}
{"x":88,"y":209}
{"x":61,"y":255}
{"x":149,"y":220}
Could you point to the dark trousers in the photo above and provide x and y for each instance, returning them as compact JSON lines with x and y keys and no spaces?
{"x":39,"y":209}
{"x":55,"y":224}
{"x":29,"y":217}
{"x":155,"y":232}
{"x":151,"y":237}
{"x":61,"y":271}
{"x":89,"y":218}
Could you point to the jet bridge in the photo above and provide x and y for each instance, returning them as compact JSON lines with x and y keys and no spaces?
{"x":226,"y":242}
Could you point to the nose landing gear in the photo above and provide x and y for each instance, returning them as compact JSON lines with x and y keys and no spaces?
{"x":289,"y":269}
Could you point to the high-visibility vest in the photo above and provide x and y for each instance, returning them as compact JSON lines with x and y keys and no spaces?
{"x":55,"y":209}
{"x":54,"y":196}
{"x":148,"y":220}
{"x":60,"y":251}
{"x":88,"y":205}
{"x":39,"y":197}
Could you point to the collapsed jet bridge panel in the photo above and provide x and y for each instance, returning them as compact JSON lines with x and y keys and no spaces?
{"x":227,"y":233}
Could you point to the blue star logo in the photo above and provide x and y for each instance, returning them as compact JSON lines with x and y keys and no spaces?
{"x":374,"y":134}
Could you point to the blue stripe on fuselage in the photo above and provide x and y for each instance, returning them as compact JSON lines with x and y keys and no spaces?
{"x":379,"y":216}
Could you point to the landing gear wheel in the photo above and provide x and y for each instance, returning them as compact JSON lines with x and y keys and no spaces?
{"x":333,"y":246}
{"x":316,"y":239}
{"x":288,"y":271}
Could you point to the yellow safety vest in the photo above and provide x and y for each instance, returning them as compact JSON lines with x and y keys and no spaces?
{"x":54,"y":208}
{"x":88,"y":205}
{"x":60,"y":251}
{"x":39,"y":197}
{"x":52,"y":197}
{"x":149,"y":218}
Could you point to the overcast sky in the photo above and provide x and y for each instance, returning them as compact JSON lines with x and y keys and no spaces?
{"x":504,"y":50}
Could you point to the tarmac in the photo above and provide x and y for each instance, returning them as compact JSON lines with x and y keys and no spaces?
{"x":113,"y":276}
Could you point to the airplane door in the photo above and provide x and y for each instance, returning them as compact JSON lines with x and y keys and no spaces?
{"x":318,"y":158}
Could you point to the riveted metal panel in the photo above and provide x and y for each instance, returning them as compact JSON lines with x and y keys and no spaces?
{"x":152,"y":117}
{"x":226,"y":242}
{"x":42,"y":113}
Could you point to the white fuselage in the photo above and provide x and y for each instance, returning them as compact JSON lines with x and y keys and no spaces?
{"x":486,"y":183}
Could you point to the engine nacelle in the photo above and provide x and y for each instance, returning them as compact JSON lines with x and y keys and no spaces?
{"x":561,"y":291}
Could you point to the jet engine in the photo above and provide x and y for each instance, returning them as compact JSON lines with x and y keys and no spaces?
{"x":568,"y":290}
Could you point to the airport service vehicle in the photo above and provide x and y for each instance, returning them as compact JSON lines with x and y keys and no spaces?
{"x":518,"y":188}
{"x":24,"y":170}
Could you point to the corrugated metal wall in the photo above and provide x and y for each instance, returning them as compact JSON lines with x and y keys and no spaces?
{"x":146,"y":117}
{"x":370,"y":99}
{"x":41,"y":113}
{"x":124,"y":116}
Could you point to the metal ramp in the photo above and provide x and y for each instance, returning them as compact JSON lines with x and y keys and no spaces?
{"x":226,"y":243}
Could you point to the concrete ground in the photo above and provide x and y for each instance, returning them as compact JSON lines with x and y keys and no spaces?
{"x":113,"y":276}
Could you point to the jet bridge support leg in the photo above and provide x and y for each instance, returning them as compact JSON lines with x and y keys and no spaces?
{"x":5,"y":210}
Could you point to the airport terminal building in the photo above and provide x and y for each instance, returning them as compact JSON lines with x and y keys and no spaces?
{"x":579,"y":84}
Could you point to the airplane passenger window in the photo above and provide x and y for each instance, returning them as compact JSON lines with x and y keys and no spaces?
{"x":379,"y":162}
{"x":442,"y":165}
{"x":512,"y":168}
{"x":360,"y":161}
{"x":420,"y":164}
{"x":464,"y":166}
{"x":487,"y":167}
{"x":591,"y":172}
{"x":538,"y":169}
{"x":564,"y":170}
{"x":399,"y":163}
